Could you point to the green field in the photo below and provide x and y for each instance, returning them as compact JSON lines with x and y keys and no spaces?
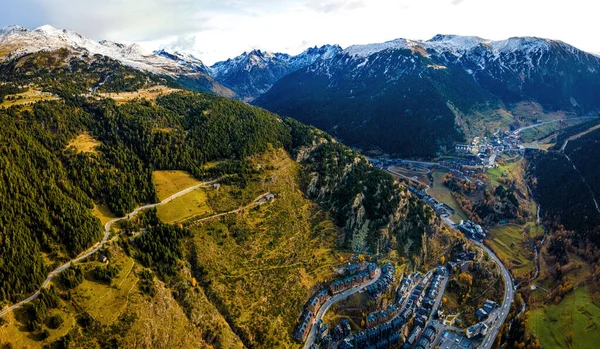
{"x":495,"y":173}
{"x":105,"y":302}
{"x":537,"y":133}
{"x":168,"y":183}
{"x":507,"y":242}
{"x":576,"y":314}
{"x":191,"y":204}
{"x":441,"y":193}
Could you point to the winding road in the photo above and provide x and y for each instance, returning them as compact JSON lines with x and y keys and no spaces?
{"x":338,"y":297}
{"x":553,"y":121}
{"x":99,"y":245}
{"x":509,"y":295}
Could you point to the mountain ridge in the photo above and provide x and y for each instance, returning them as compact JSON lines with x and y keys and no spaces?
{"x":396,"y":94}
{"x":17,"y":41}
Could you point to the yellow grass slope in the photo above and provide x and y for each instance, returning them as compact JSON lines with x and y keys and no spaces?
{"x":260,"y":265}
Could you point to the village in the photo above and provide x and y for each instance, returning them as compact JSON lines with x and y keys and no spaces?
{"x":413,"y":318}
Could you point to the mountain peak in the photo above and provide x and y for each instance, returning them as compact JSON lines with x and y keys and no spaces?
{"x":47,"y":28}
{"x":12,"y":29}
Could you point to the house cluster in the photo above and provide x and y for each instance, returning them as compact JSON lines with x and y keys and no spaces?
{"x":477,"y":329}
{"x":472,"y":230}
{"x":439,"y":207}
{"x":323,"y":336}
{"x":379,"y":317}
{"x":308,"y":314}
{"x":350,"y":281}
{"x":381,"y":337}
{"x":424,"y":295}
{"x":304,"y":325}
{"x":342,"y":330}
{"x":387,"y":328}
{"x":366,"y":272}
{"x":422,"y":339}
{"x":355,"y":268}
{"x":485,"y":311}
{"x":383,"y":284}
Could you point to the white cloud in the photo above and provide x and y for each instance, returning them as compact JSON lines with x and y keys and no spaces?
{"x":218,"y":29}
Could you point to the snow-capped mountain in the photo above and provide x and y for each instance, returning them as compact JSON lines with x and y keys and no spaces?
{"x":185,"y":60}
{"x":405,"y":96}
{"x":253,"y":73}
{"x":16,"y":41}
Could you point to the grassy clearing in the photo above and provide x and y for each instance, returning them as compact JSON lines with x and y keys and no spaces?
{"x":508,"y":242}
{"x":531,"y":113}
{"x":511,"y":169}
{"x":14,"y":332}
{"x":259,"y":265}
{"x":191,"y":204}
{"x":105,"y":302}
{"x":168,"y":183}
{"x":543,"y":131}
{"x":480,"y":123}
{"x":84,"y":143}
{"x":440,"y":192}
{"x":29,"y":97}
{"x":577,"y":314}
{"x":103,"y":213}
{"x":151,"y":94}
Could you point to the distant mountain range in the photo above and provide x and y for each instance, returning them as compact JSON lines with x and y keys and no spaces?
{"x":254,"y":73}
{"x":410,"y":97}
{"x":406,"y":97}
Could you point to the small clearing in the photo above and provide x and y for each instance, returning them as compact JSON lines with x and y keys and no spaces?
{"x":168,"y":183}
{"x":150,"y":93}
{"x":85,"y":143}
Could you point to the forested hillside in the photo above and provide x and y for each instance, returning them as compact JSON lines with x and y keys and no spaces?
{"x":61,"y":159}
{"x":567,"y":184}
{"x":407,"y":114}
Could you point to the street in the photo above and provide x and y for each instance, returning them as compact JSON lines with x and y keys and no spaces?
{"x":319,"y":316}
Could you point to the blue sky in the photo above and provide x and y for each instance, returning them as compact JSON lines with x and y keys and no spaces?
{"x":218,"y":29}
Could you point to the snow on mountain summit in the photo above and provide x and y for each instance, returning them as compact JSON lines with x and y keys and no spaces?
{"x":458,"y":45}
{"x":19,"y":41}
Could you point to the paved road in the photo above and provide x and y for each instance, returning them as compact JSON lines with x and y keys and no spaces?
{"x":338,"y":297}
{"x":99,"y":245}
{"x":509,"y":295}
{"x":553,"y":121}
{"x":389,"y":169}
{"x":504,"y":309}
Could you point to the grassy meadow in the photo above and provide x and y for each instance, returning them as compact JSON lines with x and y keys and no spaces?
{"x":168,"y":183}
{"x":440,"y":192}
{"x":573,"y":323}
{"x":508,"y":242}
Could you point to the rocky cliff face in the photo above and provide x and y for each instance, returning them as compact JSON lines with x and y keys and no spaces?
{"x":375,"y":211}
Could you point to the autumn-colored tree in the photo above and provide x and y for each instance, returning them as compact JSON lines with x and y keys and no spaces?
{"x":442,"y":260}
{"x":194,"y":282}
{"x":361,"y":258}
{"x":466,"y":278}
